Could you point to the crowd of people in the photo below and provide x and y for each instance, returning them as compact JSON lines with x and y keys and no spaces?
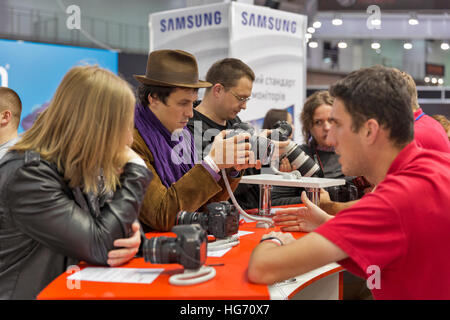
{"x":102,"y":165}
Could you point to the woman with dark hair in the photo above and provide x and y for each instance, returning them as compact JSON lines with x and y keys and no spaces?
{"x":275,"y":115}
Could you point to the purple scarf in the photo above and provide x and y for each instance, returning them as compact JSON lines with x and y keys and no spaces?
{"x":171,"y":162}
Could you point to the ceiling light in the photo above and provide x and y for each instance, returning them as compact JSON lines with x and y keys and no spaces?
{"x":313,"y":44}
{"x":342,"y":45}
{"x":308,"y":36}
{"x":445,"y":46}
{"x":407,"y":45}
{"x":317,"y":24}
{"x":375,"y":45}
{"x":441,"y":81}
{"x":434,"y":80}
{"x":375,"y":22}
{"x":311,"y":30}
{"x":426,"y":79}
{"x":337,"y":21}
{"x":413,"y":20}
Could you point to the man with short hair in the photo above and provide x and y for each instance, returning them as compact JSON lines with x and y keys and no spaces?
{"x":396,"y":236}
{"x":10,"y":110}
{"x":427,"y":133}
{"x":232,"y":84}
{"x":182,"y":180}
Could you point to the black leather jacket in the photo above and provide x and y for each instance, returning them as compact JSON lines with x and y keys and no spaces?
{"x":45,"y":226}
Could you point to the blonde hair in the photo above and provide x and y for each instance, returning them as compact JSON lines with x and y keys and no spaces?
{"x":442,"y":120}
{"x":83,"y":128}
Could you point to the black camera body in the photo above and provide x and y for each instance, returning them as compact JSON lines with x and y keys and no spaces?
{"x":282,"y":131}
{"x":262,"y":147}
{"x":220,"y":219}
{"x":189,"y":248}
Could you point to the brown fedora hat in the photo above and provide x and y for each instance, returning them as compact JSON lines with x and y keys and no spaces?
{"x":172,"y":68}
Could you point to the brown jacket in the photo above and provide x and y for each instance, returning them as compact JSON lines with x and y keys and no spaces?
{"x":195,"y":189}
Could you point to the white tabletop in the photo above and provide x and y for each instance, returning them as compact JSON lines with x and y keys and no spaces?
{"x":278,"y":180}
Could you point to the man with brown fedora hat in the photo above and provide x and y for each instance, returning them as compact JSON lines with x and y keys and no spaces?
{"x":182,"y":180}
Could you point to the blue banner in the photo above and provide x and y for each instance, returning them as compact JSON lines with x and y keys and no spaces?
{"x":34,"y":70}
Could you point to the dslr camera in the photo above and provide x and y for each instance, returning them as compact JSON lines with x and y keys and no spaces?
{"x":262,"y":147}
{"x":220,"y":219}
{"x":189,"y":248}
{"x":298,"y":159}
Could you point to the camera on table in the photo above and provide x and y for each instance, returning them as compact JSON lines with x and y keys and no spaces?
{"x":220,"y":219}
{"x":189,"y":248}
{"x":262,"y":147}
{"x":298,"y":159}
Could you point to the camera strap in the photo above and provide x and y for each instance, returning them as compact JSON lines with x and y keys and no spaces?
{"x":190,"y":277}
{"x":265,"y":222}
{"x":223,"y":243}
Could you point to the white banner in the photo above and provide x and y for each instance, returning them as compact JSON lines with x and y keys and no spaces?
{"x":202,"y":31}
{"x":270,"y":41}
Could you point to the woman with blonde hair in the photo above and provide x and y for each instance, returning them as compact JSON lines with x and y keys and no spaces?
{"x":71,"y":189}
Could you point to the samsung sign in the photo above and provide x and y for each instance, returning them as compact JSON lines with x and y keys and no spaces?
{"x":207,"y":19}
{"x":268,"y":22}
{"x":191,"y":21}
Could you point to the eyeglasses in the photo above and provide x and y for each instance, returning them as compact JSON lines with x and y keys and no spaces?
{"x":240,"y":99}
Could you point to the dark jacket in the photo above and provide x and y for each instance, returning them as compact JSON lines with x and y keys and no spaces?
{"x":45,"y":226}
{"x":247,"y":195}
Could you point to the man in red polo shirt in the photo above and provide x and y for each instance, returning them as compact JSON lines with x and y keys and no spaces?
{"x":428,"y":133}
{"x":395,"y":237}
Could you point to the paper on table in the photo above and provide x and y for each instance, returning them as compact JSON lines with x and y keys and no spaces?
{"x":124,"y":275}
{"x":243,"y":233}
{"x":218,"y":253}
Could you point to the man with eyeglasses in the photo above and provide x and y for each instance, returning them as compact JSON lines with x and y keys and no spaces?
{"x":232,"y":83}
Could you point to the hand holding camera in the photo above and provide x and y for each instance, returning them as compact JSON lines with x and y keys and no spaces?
{"x":231,"y":151}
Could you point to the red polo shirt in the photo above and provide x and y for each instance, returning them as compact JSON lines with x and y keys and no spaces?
{"x":401,"y":229}
{"x":429,"y":133}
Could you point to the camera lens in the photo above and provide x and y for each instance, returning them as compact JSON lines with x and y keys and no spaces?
{"x":186,"y":217}
{"x":160,"y":250}
{"x":302,"y":162}
{"x":189,"y":248}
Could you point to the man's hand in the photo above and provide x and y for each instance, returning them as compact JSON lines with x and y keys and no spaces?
{"x":285,"y":238}
{"x":232,"y":152}
{"x":129,"y":248}
{"x":325,"y":201}
{"x":285,"y":165}
{"x":304,"y":219}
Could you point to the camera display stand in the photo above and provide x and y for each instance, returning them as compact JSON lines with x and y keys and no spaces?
{"x":266,"y":181}
{"x":190,"y":277}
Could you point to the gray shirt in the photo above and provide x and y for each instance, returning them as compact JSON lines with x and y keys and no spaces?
{"x":4,"y":147}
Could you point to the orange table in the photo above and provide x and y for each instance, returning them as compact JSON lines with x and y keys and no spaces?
{"x":230,"y":282}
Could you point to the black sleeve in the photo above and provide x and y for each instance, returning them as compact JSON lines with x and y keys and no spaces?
{"x":42,"y":209}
